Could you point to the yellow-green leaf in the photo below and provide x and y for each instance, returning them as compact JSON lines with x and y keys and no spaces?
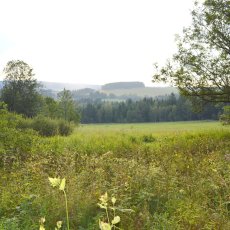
{"x":54,"y":181}
{"x":59,"y":224}
{"x":41,"y":227}
{"x":62,"y":184}
{"x":104,"y":226}
{"x":42,"y":220}
{"x":104,"y":198}
{"x":113,"y":200}
{"x":116,"y":220}
{"x":102,"y":206}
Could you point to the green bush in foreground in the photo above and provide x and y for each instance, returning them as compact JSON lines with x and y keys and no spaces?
{"x":45,"y":126}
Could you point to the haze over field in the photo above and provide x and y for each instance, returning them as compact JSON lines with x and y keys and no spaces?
{"x":91,"y":42}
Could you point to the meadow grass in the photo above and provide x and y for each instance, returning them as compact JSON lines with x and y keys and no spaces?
{"x":153,"y":128}
{"x":172,"y":175}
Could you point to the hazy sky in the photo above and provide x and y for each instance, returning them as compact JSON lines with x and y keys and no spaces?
{"x":91,"y":41}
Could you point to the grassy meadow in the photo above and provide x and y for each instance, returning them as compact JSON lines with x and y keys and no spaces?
{"x":163,"y":175}
{"x":153,"y":128}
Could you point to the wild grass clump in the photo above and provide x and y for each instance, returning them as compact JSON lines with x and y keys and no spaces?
{"x":148,"y":138}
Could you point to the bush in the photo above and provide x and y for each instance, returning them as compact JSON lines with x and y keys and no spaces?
{"x":45,"y":126}
{"x":24,"y":123}
{"x":65,"y":128}
{"x":225,"y":117}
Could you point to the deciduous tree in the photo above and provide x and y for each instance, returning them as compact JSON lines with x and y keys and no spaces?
{"x":68,"y":110}
{"x":20,"y":88}
{"x":201,"y":66}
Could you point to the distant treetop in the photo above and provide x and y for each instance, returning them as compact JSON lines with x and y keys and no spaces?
{"x":123,"y":85}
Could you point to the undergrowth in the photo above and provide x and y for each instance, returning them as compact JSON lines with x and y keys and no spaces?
{"x":173,"y":181}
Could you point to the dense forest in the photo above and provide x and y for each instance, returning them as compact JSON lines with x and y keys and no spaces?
{"x":167,"y":108}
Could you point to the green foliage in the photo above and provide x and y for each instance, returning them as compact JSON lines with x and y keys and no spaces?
{"x":65,"y":128}
{"x":225,"y":117}
{"x":20,"y":89}
{"x":45,"y":126}
{"x":178,"y":181}
{"x":60,"y":183}
{"x":168,"y":108}
{"x":15,"y":144}
{"x":50,"y":108}
{"x":67,"y":107}
{"x":104,"y":204}
{"x":9,"y":224}
{"x":148,"y":138}
{"x":200,"y":67}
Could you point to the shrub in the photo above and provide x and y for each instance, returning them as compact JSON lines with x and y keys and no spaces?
{"x":65,"y":128}
{"x":225,"y":117}
{"x":25,"y":124}
{"x":148,"y":138}
{"x":45,"y":126}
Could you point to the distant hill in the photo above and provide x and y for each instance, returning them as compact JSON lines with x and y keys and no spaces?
{"x":142,"y":92}
{"x":56,"y":86}
{"x":123,"y":85}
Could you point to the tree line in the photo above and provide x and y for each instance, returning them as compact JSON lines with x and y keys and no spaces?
{"x":168,"y":108}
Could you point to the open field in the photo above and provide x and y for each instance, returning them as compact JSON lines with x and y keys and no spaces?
{"x":153,"y":128}
{"x":171,"y":176}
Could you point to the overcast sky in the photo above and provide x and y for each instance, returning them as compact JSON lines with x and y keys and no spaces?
{"x":91,"y":41}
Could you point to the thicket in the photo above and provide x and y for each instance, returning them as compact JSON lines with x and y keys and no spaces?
{"x":177,"y":181}
{"x":46,"y":126}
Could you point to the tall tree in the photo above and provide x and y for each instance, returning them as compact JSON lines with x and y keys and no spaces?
{"x":68,"y":109}
{"x":201,"y":66}
{"x":20,"y":88}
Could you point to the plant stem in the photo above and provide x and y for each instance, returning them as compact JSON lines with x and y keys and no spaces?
{"x":66,"y":208}
{"x":107,"y":214}
{"x":113,"y":215}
